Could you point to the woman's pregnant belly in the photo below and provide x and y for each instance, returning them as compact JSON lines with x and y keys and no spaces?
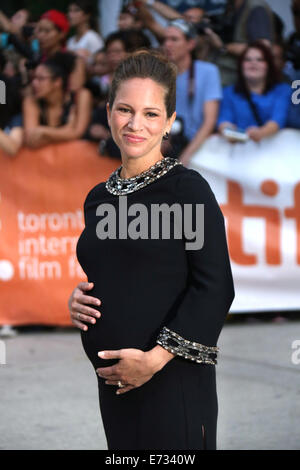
{"x":132,"y":313}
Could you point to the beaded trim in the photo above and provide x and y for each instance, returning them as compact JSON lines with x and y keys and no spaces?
{"x":118,"y":186}
{"x":189,"y":350}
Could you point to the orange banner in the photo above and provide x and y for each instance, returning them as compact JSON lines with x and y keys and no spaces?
{"x":41,"y":217}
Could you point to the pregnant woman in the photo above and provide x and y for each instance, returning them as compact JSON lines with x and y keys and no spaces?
{"x":164,"y":290}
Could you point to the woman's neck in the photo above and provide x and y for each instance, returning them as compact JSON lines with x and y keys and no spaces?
{"x":50,"y":52}
{"x":256,"y":86}
{"x":55,"y":99}
{"x":134,"y":166}
{"x":81,"y":30}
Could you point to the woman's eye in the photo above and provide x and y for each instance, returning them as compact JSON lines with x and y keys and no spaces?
{"x":124,"y":110}
{"x":151,"y":114}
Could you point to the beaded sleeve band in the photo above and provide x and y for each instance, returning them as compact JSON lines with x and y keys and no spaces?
{"x":197,"y":352}
{"x":119,"y":186}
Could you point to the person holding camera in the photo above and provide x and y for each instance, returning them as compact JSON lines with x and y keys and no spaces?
{"x":257,"y":105}
{"x":19,"y":29}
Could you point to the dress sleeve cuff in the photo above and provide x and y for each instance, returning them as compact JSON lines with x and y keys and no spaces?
{"x":196,"y":352}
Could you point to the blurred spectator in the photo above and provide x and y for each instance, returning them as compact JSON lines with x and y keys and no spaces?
{"x":193,"y":15}
{"x":52,"y":113}
{"x":16,"y":23}
{"x":145,"y":11}
{"x":292,"y":68}
{"x":20,"y":26}
{"x":98,"y":67}
{"x":244,"y":21}
{"x":51,"y":32}
{"x":211,"y":7}
{"x":17,"y":41}
{"x":293,"y":46}
{"x":116,"y":49}
{"x":128,"y":19}
{"x":86,"y":40}
{"x":258,"y":103}
{"x":11,"y":138}
{"x":279,"y":57}
{"x":131,"y":19}
{"x":12,"y":106}
{"x":11,"y":132}
{"x":198,"y":87}
{"x":117,"y":46}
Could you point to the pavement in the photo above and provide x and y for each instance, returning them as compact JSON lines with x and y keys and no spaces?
{"x":49,"y":395}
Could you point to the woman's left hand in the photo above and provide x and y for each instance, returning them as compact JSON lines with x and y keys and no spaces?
{"x":133,"y":369}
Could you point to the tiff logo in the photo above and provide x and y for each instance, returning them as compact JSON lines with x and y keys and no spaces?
{"x":2,"y":92}
{"x":2,"y":352}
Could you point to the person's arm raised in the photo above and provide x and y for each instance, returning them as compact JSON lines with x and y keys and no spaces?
{"x":164,"y":10}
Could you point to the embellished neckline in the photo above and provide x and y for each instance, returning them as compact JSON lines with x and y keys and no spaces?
{"x":119,"y":186}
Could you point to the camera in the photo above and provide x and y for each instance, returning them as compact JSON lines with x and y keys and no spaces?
{"x":27,"y":31}
{"x":222,"y":25}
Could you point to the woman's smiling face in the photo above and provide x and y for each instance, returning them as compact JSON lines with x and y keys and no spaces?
{"x":138,"y":118}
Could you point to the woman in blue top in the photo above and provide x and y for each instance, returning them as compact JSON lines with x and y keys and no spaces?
{"x":258,"y":103}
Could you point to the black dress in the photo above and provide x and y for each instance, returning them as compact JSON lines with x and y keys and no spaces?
{"x":158,"y":291}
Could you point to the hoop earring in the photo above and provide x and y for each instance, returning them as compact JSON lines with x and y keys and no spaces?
{"x":166,"y":136}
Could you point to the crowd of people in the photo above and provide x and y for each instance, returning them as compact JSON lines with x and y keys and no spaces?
{"x":235,"y":71}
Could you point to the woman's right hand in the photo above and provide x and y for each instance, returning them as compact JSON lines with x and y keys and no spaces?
{"x":79,"y":306}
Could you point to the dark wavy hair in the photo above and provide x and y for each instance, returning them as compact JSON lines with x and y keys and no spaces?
{"x":273,"y":75}
{"x":89,"y":8}
{"x":61,"y":65}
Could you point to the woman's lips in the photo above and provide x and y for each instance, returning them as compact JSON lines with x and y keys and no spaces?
{"x":134,"y":138}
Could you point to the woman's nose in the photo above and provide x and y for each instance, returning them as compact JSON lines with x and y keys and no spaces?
{"x":135,"y":122}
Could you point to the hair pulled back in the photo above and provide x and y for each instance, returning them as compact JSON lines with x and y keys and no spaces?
{"x":152,"y":64}
{"x":61,"y":64}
